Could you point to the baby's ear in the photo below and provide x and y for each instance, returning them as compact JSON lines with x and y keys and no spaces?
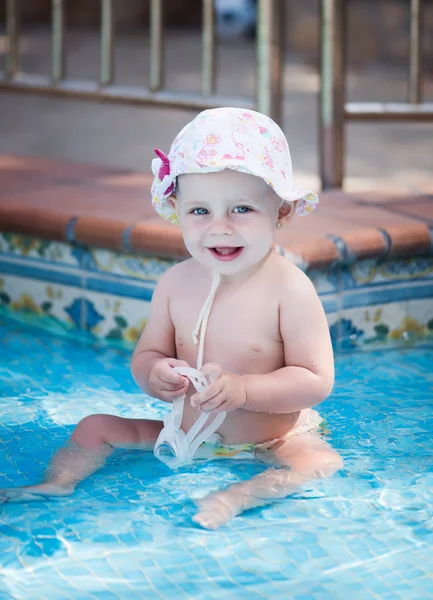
{"x":173,"y":203}
{"x":287,"y":210}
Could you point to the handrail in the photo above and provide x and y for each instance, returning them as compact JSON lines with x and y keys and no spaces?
{"x":269,"y":62}
{"x":335,"y":111}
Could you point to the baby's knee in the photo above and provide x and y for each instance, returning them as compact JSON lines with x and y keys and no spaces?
{"x":321,"y":464}
{"x":330,"y":463}
{"x":91,"y":431}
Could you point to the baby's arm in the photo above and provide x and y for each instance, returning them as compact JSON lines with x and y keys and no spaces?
{"x":157,"y":344}
{"x":308,"y":377}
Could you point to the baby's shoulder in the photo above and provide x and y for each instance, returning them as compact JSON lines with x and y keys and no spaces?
{"x":298,"y":297}
{"x":293,"y":281}
{"x":183,"y":270}
{"x":177,"y":275}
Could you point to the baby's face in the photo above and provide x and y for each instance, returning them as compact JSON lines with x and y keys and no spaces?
{"x":228,"y":219}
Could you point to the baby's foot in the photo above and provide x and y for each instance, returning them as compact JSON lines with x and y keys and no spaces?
{"x":33,"y":493}
{"x":18,"y":495}
{"x":218,"y":508}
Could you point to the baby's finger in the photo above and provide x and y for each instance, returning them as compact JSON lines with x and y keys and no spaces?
{"x":171,"y":395}
{"x":211,"y":370}
{"x":210,"y":392}
{"x":175,"y":387}
{"x":215,"y":404}
{"x":170,"y":376}
{"x":174,"y":362}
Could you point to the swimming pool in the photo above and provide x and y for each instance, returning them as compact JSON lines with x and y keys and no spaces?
{"x":127,"y":531}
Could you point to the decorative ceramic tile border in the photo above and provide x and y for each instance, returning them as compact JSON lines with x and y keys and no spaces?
{"x":52,"y":253}
{"x":50,"y":305}
{"x":136,"y":283}
{"x":421,"y":312}
{"x":115,"y":319}
{"x":381,"y":326}
{"x":41,"y":270}
{"x":330,"y":303}
{"x":28,"y":247}
{"x":366,"y":325}
{"x":120,"y":286}
{"x":73,"y":310}
{"x":124,"y":265}
{"x":371,"y":296}
{"x":370,"y":272}
{"x":326,"y":281}
{"x":106,"y":294}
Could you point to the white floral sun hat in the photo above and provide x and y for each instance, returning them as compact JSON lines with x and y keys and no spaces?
{"x":228,"y":138}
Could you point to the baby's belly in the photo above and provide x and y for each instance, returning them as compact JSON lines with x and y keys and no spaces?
{"x":245,"y":427}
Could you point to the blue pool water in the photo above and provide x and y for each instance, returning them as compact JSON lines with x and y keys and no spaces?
{"x":127,"y":531}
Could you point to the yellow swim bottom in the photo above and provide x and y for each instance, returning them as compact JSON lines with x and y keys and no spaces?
{"x":311,"y":422}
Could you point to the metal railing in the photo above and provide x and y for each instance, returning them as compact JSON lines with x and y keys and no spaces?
{"x":335,"y":111}
{"x":268,"y":52}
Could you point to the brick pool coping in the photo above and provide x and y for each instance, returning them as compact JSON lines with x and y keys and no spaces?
{"x":110,"y":208}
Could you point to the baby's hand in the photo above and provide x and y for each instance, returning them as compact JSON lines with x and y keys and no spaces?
{"x":164,"y":382}
{"x":226,"y":391}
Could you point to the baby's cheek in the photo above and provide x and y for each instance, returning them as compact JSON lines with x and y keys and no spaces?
{"x":191,"y":243}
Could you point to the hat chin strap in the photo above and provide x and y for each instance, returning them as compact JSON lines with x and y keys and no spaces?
{"x":203,"y":319}
{"x":184,"y":445}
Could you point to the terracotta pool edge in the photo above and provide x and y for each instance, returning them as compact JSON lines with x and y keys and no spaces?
{"x":165,"y":240}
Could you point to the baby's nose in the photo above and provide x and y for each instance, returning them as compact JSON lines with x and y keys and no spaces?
{"x":221,"y":226}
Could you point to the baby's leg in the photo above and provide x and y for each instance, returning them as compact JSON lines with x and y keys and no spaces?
{"x":92,"y":441}
{"x":308,"y":457}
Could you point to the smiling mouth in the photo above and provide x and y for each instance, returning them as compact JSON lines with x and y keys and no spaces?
{"x":226,"y":253}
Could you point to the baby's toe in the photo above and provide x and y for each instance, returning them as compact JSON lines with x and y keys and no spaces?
{"x":11,"y":496}
{"x":216,"y":510}
{"x":206,"y":520}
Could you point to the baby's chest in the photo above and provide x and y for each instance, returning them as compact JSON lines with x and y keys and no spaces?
{"x":242,"y":337}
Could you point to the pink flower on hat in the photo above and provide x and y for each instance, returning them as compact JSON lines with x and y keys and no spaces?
{"x":164,"y":169}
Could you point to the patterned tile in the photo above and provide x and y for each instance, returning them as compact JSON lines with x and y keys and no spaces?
{"x":35,"y":299}
{"x":370,"y":272}
{"x":115,"y":318}
{"x":420,"y":316}
{"x":332,"y":317}
{"x":330,"y":302}
{"x":364,"y":326}
{"x":406,"y":269}
{"x":325,"y":282}
{"x":36,"y":248}
{"x":384,"y":294}
{"x":127,"y":265}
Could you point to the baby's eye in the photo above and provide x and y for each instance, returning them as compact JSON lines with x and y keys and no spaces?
{"x":242,"y":209}
{"x":199,"y":211}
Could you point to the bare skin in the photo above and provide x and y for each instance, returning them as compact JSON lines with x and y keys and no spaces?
{"x":267,"y":349}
